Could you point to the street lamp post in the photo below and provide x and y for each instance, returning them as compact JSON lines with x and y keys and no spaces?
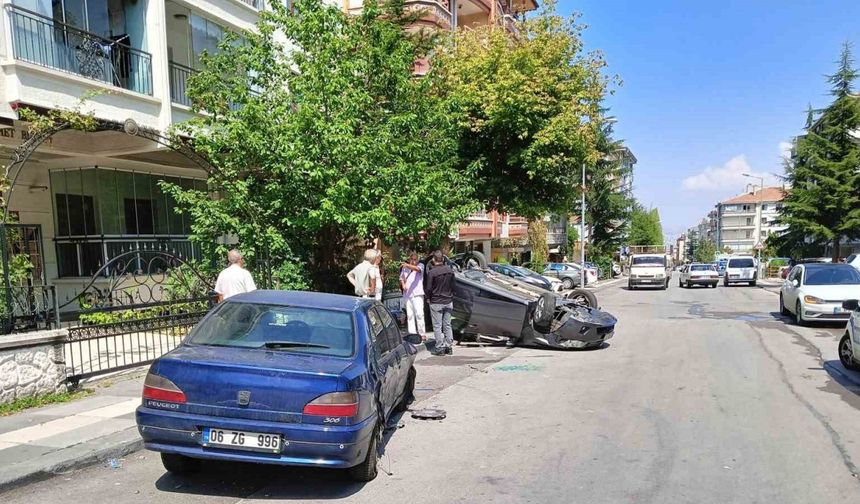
{"x":758,"y":219}
{"x":582,"y":233}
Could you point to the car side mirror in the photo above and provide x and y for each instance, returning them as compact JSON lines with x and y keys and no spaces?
{"x":851,"y":304}
{"x":415,"y":339}
{"x":795,"y":282}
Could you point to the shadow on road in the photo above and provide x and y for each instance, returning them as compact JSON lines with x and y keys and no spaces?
{"x":848,"y":379}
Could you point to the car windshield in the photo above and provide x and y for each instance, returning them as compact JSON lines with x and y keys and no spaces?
{"x":746,"y":262}
{"x":701,"y":267}
{"x":649,"y":261}
{"x":832,"y":275}
{"x":282,"y":328}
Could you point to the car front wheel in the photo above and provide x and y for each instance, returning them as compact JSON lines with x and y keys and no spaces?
{"x":846,"y":354}
{"x":798,"y":314}
{"x":782,"y":309}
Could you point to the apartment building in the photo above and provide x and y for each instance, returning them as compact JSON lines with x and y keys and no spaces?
{"x":743,"y":217}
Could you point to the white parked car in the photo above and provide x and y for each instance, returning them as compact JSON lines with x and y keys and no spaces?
{"x":854,"y":260}
{"x":849,"y":346}
{"x":816,"y":291}
{"x":698,"y":274}
{"x":740,"y":270}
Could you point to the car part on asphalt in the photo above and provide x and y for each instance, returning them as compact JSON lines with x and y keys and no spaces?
{"x":429,"y":414}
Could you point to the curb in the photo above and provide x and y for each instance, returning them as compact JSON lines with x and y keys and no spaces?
{"x":73,"y":458}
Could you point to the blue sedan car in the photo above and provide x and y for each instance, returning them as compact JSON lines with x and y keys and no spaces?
{"x":291,"y":378}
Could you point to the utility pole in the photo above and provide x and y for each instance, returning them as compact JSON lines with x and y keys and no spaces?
{"x":582,"y":232}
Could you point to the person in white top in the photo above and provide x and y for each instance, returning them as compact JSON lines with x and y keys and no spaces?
{"x":234,"y":279}
{"x":375,"y":275}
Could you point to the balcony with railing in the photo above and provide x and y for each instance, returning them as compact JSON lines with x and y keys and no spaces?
{"x":256,"y":4}
{"x":179,"y":75}
{"x":437,"y":12}
{"x":44,"y":42}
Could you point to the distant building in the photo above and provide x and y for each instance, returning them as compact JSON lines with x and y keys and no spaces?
{"x":740,"y":219}
{"x":681,"y":249}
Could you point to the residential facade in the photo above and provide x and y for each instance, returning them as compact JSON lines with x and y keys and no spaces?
{"x":749,"y":219}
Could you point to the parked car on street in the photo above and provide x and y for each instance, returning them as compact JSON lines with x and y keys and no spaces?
{"x":569,"y":274}
{"x":849,"y":345}
{"x":649,"y":270}
{"x":496,"y":308}
{"x":521,"y":273}
{"x":275,"y":377}
{"x":740,"y":270}
{"x":853,"y":260}
{"x":816,"y":291}
{"x":698,"y":274}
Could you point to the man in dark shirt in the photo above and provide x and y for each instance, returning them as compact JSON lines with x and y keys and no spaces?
{"x":440,"y":296}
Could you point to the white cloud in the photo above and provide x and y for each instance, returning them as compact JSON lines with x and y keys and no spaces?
{"x":728,"y":176}
{"x":784,"y":150}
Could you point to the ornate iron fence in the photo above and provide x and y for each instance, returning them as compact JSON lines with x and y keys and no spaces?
{"x":136,"y":308}
{"x":26,"y":302}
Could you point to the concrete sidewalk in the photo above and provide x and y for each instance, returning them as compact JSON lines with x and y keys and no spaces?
{"x":42,"y":442}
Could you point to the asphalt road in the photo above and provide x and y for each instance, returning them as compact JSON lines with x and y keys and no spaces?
{"x":703,"y":396}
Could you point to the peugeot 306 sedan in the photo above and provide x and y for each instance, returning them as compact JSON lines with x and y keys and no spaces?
{"x":290,"y":378}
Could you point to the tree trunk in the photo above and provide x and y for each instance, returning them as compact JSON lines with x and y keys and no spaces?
{"x":835,"y":254}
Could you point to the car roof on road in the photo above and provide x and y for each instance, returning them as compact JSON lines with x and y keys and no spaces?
{"x":302,"y":299}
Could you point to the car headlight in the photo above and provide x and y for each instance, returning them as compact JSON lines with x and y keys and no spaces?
{"x":812,"y":300}
{"x":660,"y":275}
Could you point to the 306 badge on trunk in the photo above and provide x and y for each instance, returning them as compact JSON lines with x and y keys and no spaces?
{"x":242,"y":440}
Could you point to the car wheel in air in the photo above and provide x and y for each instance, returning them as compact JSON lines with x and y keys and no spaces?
{"x":408,"y":392}
{"x":782,"y":309}
{"x":846,"y":354}
{"x":567,"y":283}
{"x":798,"y":314}
{"x":367,"y":469}
{"x":544,"y":309}
{"x":583,"y":297}
{"x":179,"y":464}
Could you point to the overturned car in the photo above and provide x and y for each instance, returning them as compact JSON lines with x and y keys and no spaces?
{"x":494,"y":308}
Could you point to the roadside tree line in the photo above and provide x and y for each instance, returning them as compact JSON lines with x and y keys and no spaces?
{"x":323,"y":139}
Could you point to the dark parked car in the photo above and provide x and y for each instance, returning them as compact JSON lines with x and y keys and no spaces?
{"x":522,"y":274}
{"x":289,"y":378}
{"x":497,"y":308}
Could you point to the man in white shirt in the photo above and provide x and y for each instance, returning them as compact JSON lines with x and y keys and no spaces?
{"x":234,"y":279}
{"x":360,"y":277}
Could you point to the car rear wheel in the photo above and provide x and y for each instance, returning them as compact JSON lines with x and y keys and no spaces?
{"x":629,"y":285}
{"x":752,"y":284}
{"x":179,"y":464}
{"x":367,"y":469}
{"x":680,"y":283}
{"x":583,"y":297}
{"x":567,"y":283}
{"x":846,"y":354}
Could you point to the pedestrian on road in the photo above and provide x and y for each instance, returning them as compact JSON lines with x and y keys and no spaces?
{"x":234,"y":279}
{"x":440,"y":295}
{"x":412,"y":285}
{"x":376,"y":278}
{"x":359,"y":277}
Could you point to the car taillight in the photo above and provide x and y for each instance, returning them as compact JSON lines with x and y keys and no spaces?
{"x":159,"y":388}
{"x":335,"y":404}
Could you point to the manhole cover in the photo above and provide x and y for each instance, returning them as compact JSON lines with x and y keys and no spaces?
{"x":429,"y":414}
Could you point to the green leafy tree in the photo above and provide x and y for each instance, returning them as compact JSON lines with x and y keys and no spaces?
{"x":823,"y":206}
{"x":705,"y":252}
{"x":538,"y":244}
{"x":322,"y":143}
{"x":645,"y":227}
{"x":528,"y":110}
{"x":608,"y":207}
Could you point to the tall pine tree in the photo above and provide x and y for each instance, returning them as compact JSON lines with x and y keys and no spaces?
{"x":824,"y":203}
{"x":608,"y":203}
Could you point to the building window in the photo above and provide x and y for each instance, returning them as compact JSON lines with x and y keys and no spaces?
{"x":101,"y":213}
{"x":749,"y":221}
{"x":748,"y":234}
{"x":764,"y":220}
{"x":764,"y":206}
{"x":745,"y":207}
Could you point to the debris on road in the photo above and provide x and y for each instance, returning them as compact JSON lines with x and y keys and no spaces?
{"x":516,"y":368}
{"x":429,"y":414}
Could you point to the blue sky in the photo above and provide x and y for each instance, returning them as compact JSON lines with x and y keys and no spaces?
{"x":711,"y":88}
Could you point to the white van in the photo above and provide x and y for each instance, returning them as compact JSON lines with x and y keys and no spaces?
{"x":649,"y":270}
{"x":741,"y":270}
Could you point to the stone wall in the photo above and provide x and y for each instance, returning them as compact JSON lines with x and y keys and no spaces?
{"x":32,"y":364}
